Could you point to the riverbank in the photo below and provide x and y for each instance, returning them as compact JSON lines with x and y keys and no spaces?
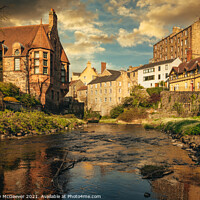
{"x":185,"y":133}
{"x":28,"y":123}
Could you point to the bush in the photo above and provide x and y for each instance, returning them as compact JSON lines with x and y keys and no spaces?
{"x":12,"y":99}
{"x":28,"y":100}
{"x":9,"y":89}
{"x":91,"y":114}
{"x":133,"y":114}
{"x":116,"y":111}
{"x":178,"y":107}
{"x":155,"y":90}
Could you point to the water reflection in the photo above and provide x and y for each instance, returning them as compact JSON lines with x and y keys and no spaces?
{"x":113,"y":154}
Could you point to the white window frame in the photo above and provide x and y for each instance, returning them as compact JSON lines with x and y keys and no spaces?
{"x":17,"y":64}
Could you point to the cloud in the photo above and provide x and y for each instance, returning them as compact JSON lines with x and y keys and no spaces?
{"x":156,"y":17}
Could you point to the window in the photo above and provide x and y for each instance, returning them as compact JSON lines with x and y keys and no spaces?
{"x":44,"y":54}
{"x":110,"y":90}
{"x":36,"y":70}
{"x":105,"y":91}
{"x":63,"y":77}
{"x":198,"y":85}
{"x":159,"y":68}
{"x":119,"y":98}
{"x":105,"y":99}
{"x":120,"y":90}
{"x":186,"y":85}
{"x":45,"y":70}
{"x":110,"y":99}
{"x":45,"y":62}
{"x":178,"y":40}
{"x":105,"y":84}
{"x":166,"y":75}
{"x":84,"y":77}
{"x":158,"y":76}
{"x":181,"y":42}
{"x":100,"y":100}
{"x":186,"y":33}
{"x":95,"y":85}
{"x":185,"y":51}
{"x":51,"y":65}
{"x":95,"y":91}
{"x":171,"y":87}
{"x":100,"y":91}
{"x":52,"y":94}
{"x":36,"y":62}
{"x":36,"y":54}
{"x":58,"y":95}
{"x":95,"y":100}
{"x":129,"y":84}
{"x":185,"y":41}
{"x":149,"y":78}
{"x":100,"y":84}
{"x":120,"y":83}
{"x":166,"y":67}
{"x":17,"y":64}
{"x":110,"y":83}
{"x":91,"y":86}
{"x":91,"y":91}
{"x":17,"y":52}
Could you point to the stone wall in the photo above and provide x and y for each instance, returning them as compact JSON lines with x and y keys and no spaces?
{"x":189,"y":102}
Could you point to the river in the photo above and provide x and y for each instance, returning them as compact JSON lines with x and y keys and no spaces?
{"x":109,"y":160}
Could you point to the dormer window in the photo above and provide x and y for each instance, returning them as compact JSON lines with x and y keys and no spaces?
{"x":17,"y":52}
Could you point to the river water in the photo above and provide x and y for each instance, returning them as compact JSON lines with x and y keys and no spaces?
{"x":106,"y":161}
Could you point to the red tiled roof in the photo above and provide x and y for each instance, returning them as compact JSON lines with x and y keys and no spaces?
{"x":82,"y":88}
{"x":22,"y":34}
{"x":64,"y":56}
{"x":41,"y":40}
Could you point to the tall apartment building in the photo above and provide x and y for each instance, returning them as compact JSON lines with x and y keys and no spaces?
{"x":182,"y":43}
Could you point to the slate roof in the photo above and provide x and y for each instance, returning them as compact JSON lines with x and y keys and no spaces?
{"x":187,"y":66}
{"x":100,"y":79}
{"x":155,"y":64}
{"x":76,"y":73}
{"x":82,"y":88}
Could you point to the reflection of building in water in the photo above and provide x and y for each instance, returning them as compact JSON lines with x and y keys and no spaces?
{"x":173,"y":190}
{"x":31,"y":175}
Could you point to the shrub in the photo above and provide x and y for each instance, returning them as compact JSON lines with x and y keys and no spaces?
{"x":12,"y":99}
{"x":91,"y":114}
{"x":132,"y":114}
{"x":156,"y":90}
{"x":9,"y":89}
{"x":178,"y":107}
{"x":116,"y":111}
{"x":28,"y":100}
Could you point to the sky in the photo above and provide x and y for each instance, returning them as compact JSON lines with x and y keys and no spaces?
{"x":118,"y":32}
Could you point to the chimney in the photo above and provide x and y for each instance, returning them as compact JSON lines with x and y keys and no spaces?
{"x":89,"y":64}
{"x":176,"y":29}
{"x":103,"y":67}
{"x":52,"y":19}
{"x":189,"y":54}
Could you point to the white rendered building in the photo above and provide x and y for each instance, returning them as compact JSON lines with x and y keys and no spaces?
{"x":150,"y":75}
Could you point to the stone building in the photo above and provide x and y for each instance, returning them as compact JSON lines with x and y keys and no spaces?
{"x":150,"y":75}
{"x":182,"y":43}
{"x":34,"y":60}
{"x":108,"y":90}
{"x":73,"y":88}
{"x":87,"y":75}
{"x":82,"y":95}
{"x":185,"y":77}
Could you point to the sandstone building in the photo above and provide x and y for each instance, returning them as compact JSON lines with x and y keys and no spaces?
{"x":108,"y":90}
{"x":87,"y":75}
{"x":185,"y":77}
{"x":182,"y":43}
{"x":34,"y":59}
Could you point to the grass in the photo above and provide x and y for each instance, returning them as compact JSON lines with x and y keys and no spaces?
{"x":108,"y":121}
{"x":181,"y":126}
{"x":26,"y":122}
